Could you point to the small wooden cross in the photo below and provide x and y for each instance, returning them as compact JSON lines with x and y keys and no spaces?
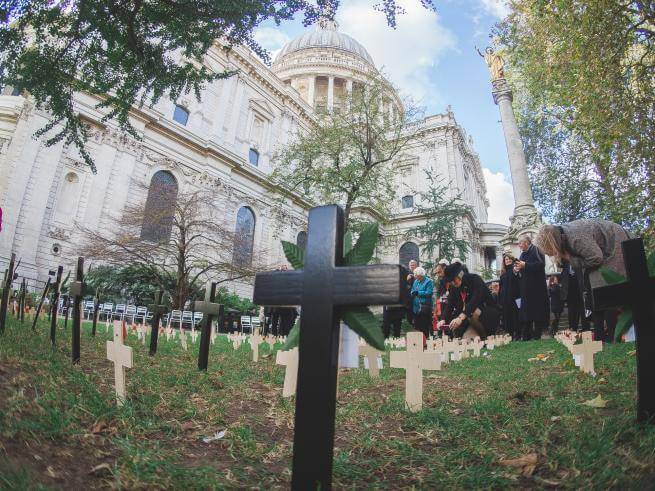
{"x":270,"y":340}
{"x":121,"y":356}
{"x":637,"y":293}
{"x":414,"y":361}
{"x":323,"y":288}
{"x":183,"y":342}
{"x":209,"y":309}
{"x":290,"y":360}
{"x":490,"y":342}
{"x":586,"y":352}
{"x":371,"y":355}
{"x":477,"y":345}
{"x":255,"y":340}
{"x":449,"y":347}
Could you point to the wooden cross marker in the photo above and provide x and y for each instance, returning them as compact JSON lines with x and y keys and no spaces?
{"x":194,"y":335}
{"x":183,"y":342}
{"x":322,"y":289}
{"x":157,"y":309}
{"x":54,"y":305}
{"x":38,"y":310}
{"x":21,"y":301}
{"x":6,"y":288}
{"x":450,"y":347}
{"x":638,"y":294}
{"x":255,"y":340}
{"x":210,"y":309}
{"x":371,"y":355}
{"x":75,"y":291}
{"x":466,"y":346}
{"x":290,"y":360}
{"x":490,"y":342}
{"x":270,"y":340}
{"x":121,"y":356}
{"x":477,"y":345}
{"x":96,"y":310}
{"x":586,"y":352}
{"x":414,"y":361}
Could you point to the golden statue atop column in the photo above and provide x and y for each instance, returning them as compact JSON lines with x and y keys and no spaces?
{"x":526,"y":219}
{"x":495,"y":63}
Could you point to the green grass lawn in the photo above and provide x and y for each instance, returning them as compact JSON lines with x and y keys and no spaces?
{"x":58,"y":421}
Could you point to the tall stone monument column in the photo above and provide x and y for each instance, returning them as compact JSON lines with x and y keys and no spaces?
{"x":525,"y":219}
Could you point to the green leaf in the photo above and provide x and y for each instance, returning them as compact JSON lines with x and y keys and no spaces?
{"x":611,"y":276}
{"x":294,"y":254}
{"x":365,"y":247}
{"x":363,"y":322}
{"x":347,"y":242}
{"x":623,"y":324}
{"x":293,"y":337}
{"x":651,"y":264}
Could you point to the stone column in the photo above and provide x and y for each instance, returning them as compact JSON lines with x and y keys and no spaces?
{"x":525,"y":218}
{"x":330,"y":93}
{"x":499,"y":259}
{"x":310,"y":90}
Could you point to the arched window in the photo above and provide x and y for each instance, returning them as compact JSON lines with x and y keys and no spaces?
{"x":253,"y":157}
{"x":160,"y":207}
{"x":301,"y":239}
{"x":407,"y":201}
{"x":68,"y":197}
{"x":408,"y":251}
{"x":244,"y":237}
{"x":181,"y":115}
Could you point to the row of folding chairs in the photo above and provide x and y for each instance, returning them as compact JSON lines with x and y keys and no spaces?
{"x":249,"y":323}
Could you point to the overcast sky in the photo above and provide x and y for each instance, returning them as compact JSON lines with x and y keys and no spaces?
{"x":431,"y":57}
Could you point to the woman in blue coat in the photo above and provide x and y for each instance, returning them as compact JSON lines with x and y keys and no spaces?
{"x":422,"y":290}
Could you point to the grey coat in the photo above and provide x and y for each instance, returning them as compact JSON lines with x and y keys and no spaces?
{"x":595,"y":244}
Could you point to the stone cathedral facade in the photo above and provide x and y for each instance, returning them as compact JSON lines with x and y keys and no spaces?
{"x":226,"y":141}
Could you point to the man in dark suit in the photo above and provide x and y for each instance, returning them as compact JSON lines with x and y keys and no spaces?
{"x":534,"y":311}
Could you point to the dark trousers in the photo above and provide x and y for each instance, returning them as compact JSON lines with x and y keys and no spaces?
{"x":532,"y":329}
{"x":275,"y":324}
{"x":423,"y":323}
{"x":604,"y":323}
{"x":388,"y":324}
{"x":554,"y":324}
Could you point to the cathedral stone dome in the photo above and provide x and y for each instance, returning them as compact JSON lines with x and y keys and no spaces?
{"x":325,"y":35}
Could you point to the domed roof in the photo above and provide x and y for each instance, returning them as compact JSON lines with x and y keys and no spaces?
{"x":325,"y":35}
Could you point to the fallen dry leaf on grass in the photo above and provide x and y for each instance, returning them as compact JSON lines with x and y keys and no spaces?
{"x":539,"y":357}
{"x":103,"y":468}
{"x":597,"y":401}
{"x":632,"y":353}
{"x":527,"y":463}
{"x":98,"y":427}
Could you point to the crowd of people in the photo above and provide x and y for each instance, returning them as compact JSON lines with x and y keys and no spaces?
{"x":525,"y":302}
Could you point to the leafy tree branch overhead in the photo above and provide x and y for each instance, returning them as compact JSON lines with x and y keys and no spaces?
{"x":130,"y":53}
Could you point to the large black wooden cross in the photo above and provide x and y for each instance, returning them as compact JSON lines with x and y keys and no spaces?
{"x":76,"y":290}
{"x":38,"y":309}
{"x":638,"y":293}
{"x":321,"y":289}
{"x":209,"y":310}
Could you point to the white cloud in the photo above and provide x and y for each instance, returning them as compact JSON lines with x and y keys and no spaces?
{"x":501,"y":197}
{"x":272,"y":39}
{"x":497,"y":8}
{"x":408,"y":54}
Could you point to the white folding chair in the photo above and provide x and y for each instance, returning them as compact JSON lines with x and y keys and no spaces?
{"x":141,"y":313}
{"x":119,"y":312}
{"x":246,"y":323}
{"x":108,"y":310}
{"x":187,"y":318}
{"x":130,"y":313}
{"x":197,"y":317}
{"x":174,"y":316}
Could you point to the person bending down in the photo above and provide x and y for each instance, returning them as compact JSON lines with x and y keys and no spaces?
{"x":481,"y":314}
